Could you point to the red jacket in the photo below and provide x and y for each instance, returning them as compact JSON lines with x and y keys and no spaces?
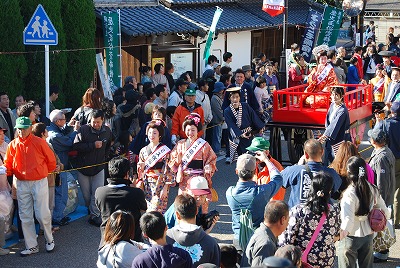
{"x":29,"y":159}
{"x":179,"y":117}
{"x":359,"y":66}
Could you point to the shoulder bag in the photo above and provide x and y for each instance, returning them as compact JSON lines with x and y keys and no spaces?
{"x":304,"y":257}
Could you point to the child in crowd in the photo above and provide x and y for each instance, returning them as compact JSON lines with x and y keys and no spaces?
{"x":161,"y":254}
{"x":229,"y":256}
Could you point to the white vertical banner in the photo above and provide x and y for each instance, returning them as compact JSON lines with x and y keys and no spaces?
{"x":103,"y":76}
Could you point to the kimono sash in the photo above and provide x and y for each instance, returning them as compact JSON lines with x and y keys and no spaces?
{"x":191,"y":152}
{"x":377,"y":87}
{"x":156,"y":156}
{"x":324,"y":74}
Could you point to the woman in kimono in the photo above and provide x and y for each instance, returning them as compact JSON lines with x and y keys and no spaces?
{"x":193,"y":156}
{"x":243,"y":123}
{"x":153,"y":172}
{"x":337,"y":125}
{"x":321,"y":78}
{"x":380,"y":83}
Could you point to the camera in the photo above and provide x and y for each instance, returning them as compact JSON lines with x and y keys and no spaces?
{"x":206,"y":220}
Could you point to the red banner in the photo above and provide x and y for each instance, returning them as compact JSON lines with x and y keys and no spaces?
{"x":274,"y":7}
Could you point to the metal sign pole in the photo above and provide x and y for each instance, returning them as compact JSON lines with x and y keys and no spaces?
{"x":47,"y":78}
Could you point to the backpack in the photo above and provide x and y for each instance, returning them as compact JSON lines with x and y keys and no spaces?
{"x":246,"y":229}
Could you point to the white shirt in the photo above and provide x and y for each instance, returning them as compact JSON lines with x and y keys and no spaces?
{"x":203,"y":99}
{"x":358,"y":225}
{"x":175,"y":99}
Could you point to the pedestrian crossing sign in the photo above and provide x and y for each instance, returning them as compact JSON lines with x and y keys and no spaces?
{"x":40,"y":30}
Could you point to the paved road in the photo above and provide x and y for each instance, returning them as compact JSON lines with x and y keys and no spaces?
{"x":76,"y":244}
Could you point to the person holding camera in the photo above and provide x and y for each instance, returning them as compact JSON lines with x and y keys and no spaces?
{"x":246,"y":194}
{"x":187,"y":235}
{"x":262,"y":173}
{"x":198,"y":188}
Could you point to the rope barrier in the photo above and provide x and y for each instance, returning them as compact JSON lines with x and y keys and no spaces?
{"x":96,"y":165}
{"x":72,"y":169}
{"x":366,"y":149}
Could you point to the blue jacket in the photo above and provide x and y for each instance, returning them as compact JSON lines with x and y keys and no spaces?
{"x":297,"y":179}
{"x":244,"y":193}
{"x":337,"y":126}
{"x":163,"y":257}
{"x":352,"y":75}
{"x":62,"y":140}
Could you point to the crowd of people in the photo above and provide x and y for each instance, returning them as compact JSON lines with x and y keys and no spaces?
{"x":164,"y":133}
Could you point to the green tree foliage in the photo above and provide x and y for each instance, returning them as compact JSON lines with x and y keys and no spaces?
{"x":80,"y":25}
{"x":34,"y":82}
{"x":13,"y":67}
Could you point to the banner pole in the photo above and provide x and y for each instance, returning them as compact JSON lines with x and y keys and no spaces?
{"x":283,"y":60}
{"x":120,"y":44}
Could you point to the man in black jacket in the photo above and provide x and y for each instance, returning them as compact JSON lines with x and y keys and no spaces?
{"x":93,"y":143}
{"x":118,"y":195}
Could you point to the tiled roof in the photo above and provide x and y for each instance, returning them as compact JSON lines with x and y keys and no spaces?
{"x":383,"y":5}
{"x":233,"y":17}
{"x":151,"y":20}
{"x":297,"y":11}
{"x":185,"y":2}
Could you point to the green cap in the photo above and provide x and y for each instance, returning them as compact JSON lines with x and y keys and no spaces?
{"x":258,"y":144}
{"x":190,"y":92}
{"x":23,"y":122}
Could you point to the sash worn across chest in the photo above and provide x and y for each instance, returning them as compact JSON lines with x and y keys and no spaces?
{"x":324,"y":73}
{"x":191,"y":152}
{"x":378,"y":86}
{"x":156,"y":156}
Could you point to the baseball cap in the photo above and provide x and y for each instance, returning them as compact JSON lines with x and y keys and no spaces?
{"x":218,"y":87}
{"x":247,"y":162}
{"x":23,"y":122}
{"x":377,"y":135}
{"x":395,"y":107}
{"x":190,"y":92}
{"x":258,"y":144}
{"x":199,"y":186}
{"x":246,"y":68}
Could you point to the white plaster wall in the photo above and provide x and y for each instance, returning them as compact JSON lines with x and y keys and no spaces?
{"x":382,"y":27}
{"x":239,"y":44}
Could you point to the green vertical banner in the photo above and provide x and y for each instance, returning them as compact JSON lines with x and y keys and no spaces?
{"x":112,"y":44}
{"x":330,"y":26}
{"x":213,"y":26}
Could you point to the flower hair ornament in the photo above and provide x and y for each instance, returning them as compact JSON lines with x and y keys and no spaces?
{"x":361,"y":172}
{"x":159,"y":122}
{"x":317,"y":50}
{"x":320,"y":193}
{"x":195,"y":117}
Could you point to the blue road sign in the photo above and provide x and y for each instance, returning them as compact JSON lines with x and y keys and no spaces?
{"x":40,"y":31}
